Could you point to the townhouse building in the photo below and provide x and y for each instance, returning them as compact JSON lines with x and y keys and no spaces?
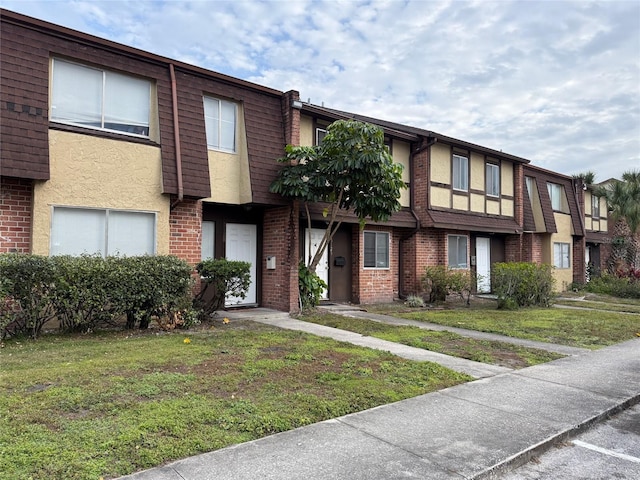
{"x":112,"y":150}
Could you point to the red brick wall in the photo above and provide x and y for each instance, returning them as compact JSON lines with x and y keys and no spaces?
{"x":185,"y":225}
{"x":372,"y":285}
{"x":579,"y":267}
{"x":532,"y":248}
{"x":280,"y":239}
{"x":426,"y":248}
{"x":16,"y":198}
{"x":514,"y":248}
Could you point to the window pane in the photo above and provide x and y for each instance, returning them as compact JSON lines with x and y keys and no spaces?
{"x":126,"y":103}
{"x":131,"y":233}
{"x":208,"y":240}
{"x":76,"y":94}
{"x":457,"y":251}
{"x":369,"y":249}
{"x":555,"y":193}
{"x":529,"y":182}
{"x":382,"y":250}
{"x":460,"y":172}
{"x":493,"y":180}
{"x":212,"y":121}
{"x":75,"y":231}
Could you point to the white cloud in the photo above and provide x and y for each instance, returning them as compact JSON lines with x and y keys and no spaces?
{"x":556,"y":82}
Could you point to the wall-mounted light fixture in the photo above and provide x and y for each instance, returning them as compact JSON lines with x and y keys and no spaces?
{"x":297,"y":104}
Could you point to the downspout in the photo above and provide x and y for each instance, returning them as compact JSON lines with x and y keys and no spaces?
{"x":176,"y":133}
{"x":412,"y":203}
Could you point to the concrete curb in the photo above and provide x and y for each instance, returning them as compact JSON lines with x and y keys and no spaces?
{"x":520,"y":458}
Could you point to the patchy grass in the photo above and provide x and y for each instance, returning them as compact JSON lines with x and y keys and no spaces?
{"x":449,"y":343}
{"x":108,"y":404}
{"x":578,"y":328}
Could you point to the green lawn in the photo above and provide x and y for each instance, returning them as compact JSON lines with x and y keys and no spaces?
{"x":578,"y":328}
{"x":108,"y":404}
{"x":449,"y":343}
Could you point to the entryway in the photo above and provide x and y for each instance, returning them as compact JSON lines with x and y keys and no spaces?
{"x":241,"y":244}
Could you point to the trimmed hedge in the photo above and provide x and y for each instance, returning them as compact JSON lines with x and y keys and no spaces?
{"x":439,"y":281}
{"x":221,"y":278}
{"x":88,"y":292}
{"x":522,"y":284}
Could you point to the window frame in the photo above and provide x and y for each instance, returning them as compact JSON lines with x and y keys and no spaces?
{"x":458,"y":181}
{"x":559,"y":255}
{"x":105,"y":247}
{"x":492,"y":182}
{"x":208,"y":239}
{"x":386,"y":263}
{"x":458,"y":265}
{"x":142,"y":129}
{"x":220,"y":121}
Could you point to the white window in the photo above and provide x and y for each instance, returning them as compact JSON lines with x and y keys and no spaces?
{"x":220,"y":122}
{"x":457,"y":248}
{"x":320,"y":134}
{"x":75,"y":231}
{"x":555,"y":193}
{"x":493,"y":180}
{"x":376,"y":250}
{"x":595,"y":207}
{"x":89,"y":97}
{"x":561,"y":255}
{"x":460,"y":173}
{"x":208,"y":240}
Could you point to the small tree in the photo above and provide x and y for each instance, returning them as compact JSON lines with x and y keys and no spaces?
{"x":351,"y":171}
{"x":623,"y":200}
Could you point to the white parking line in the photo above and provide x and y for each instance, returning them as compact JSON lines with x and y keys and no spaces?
{"x":606,"y":451}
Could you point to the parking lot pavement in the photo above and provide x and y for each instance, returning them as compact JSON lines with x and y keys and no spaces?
{"x":610,"y":450}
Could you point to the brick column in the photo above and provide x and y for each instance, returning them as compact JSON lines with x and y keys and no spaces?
{"x":280,"y":240}
{"x":185,"y":226}
{"x":16,"y":198}
{"x":291,"y":117}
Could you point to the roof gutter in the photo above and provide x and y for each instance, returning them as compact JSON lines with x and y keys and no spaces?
{"x":176,"y":132}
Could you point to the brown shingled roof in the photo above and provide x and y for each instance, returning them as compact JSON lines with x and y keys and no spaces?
{"x":473,"y":221}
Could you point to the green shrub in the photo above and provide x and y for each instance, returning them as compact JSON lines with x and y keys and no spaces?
{"x":146,"y":287}
{"x":440,"y":281}
{"x":521,"y":284}
{"x":414,"y":301}
{"x":87,"y":292}
{"x":26,"y":284}
{"x":221,"y":278}
{"x":310,"y":287}
{"x":615,"y":286}
{"x":81,"y":297}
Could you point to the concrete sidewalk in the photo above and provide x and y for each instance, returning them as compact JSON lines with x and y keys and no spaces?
{"x":469,"y":431}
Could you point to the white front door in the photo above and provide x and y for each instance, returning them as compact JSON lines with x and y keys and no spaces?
{"x":241,"y":242}
{"x":312,"y":243}
{"x":483,"y":264}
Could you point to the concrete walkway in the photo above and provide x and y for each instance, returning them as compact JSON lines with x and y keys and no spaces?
{"x":469,"y":431}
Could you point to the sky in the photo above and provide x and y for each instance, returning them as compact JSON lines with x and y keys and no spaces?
{"x":555,"y":82}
